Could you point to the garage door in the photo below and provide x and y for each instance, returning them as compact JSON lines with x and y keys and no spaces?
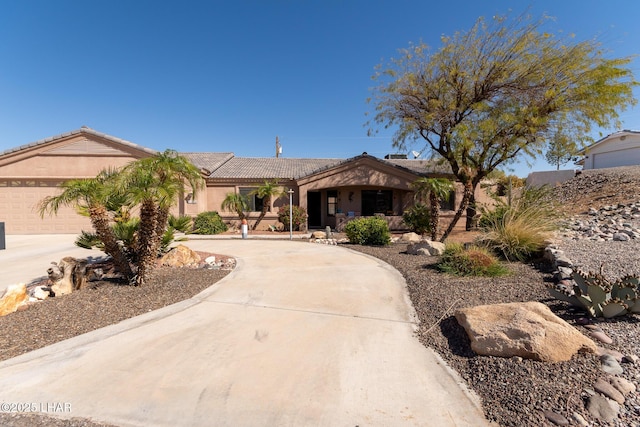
{"x":613,"y":159}
{"x":18,"y":209}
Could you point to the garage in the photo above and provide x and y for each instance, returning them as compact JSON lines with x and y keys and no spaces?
{"x":618,"y":149}
{"x":18,"y":209}
{"x":628,"y":157}
{"x":31,"y":172}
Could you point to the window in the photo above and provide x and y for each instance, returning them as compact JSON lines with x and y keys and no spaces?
{"x":332,"y":203}
{"x":255,"y":202}
{"x":377,"y":201}
{"x":450,"y":204}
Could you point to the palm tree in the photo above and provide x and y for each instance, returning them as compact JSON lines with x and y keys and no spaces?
{"x":93,"y":196}
{"x":155,"y":183}
{"x":266,"y":192}
{"x":436,"y":189}
{"x":236,"y":202}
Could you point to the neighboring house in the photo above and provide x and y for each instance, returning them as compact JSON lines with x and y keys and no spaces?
{"x":331,"y":190}
{"x":618,"y":149}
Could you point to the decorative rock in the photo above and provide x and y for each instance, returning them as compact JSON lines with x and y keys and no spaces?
{"x":318,"y":235}
{"x":564,"y":273}
{"x":529,"y":330}
{"x":608,"y":390}
{"x":579,"y":419}
{"x":602,"y":408}
{"x":14,"y":297}
{"x":630,"y":358}
{"x":623,"y":385}
{"x":616,"y":354}
{"x":621,"y":237}
{"x":434,"y":248}
{"x":610,"y":365}
{"x":600,"y":336}
{"x":210,"y":260}
{"x":410,"y":237}
{"x":555,"y":418}
{"x":180,"y":256}
{"x":41,"y":293}
{"x":563,"y":261}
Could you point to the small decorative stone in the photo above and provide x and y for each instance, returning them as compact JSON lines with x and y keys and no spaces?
{"x":579,"y":419}
{"x":623,"y":385}
{"x":555,"y":418}
{"x":601,"y":336}
{"x":616,"y":354}
{"x":602,"y":408}
{"x":608,"y":390}
{"x":630,"y":358}
{"x":610,"y":365}
{"x":620,"y":237}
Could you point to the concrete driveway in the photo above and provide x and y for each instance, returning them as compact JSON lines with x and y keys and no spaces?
{"x":298,"y":334}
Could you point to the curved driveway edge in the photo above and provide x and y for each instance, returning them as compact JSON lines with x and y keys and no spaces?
{"x":298,"y":334}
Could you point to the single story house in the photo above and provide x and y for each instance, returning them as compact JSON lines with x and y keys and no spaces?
{"x":331,"y":190}
{"x":618,"y":149}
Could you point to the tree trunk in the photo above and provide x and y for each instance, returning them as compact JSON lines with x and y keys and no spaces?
{"x":464,"y":203}
{"x":266,"y":202}
{"x":100,"y":222}
{"x":435,"y":215}
{"x":471,"y":213}
{"x":162,"y":220}
{"x":144,"y":244}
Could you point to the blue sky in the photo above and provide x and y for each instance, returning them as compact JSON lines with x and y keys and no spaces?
{"x":233,"y":75}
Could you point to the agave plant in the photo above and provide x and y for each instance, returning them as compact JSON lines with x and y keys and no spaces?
{"x":600,"y":296}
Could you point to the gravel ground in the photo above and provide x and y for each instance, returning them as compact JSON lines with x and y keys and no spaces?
{"x":514,"y":392}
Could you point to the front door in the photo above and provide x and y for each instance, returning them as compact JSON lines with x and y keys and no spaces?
{"x":314,"y":206}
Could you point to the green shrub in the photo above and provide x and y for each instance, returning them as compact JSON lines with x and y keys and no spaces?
{"x":299,"y":217}
{"x":520,"y":231}
{"x":209,"y":223}
{"x":418,"y":218}
{"x":182,"y":223}
{"x":368,"y":231}
{"x":473,"y":261}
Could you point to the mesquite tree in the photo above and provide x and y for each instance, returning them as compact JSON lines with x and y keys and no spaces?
{"x":497,"y":92}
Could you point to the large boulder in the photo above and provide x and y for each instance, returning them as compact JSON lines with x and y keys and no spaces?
{"x":529,"y":330}
{"x":180,"y":256}
{"x":13,"y":298}
{"x":426,"y":247}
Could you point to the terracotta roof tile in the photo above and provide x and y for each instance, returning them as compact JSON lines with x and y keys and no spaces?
{"x":270,"y":167}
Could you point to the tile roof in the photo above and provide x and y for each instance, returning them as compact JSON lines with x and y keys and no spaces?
{"x":227,"y":166}
{"x":83,"y":129}
{"x":270,"y":167}
{"x":208,"y":161}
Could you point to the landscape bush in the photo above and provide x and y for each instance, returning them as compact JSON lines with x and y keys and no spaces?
{"x":299,"y":217}
{"x":209,"y":223}
{"x":368,"y":231}
{"x":520,"y":231}
{"x":472,"y":261}
{"x":418,"y":218}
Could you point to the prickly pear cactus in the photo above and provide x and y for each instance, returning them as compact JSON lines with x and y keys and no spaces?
{"x":601,"y":297}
